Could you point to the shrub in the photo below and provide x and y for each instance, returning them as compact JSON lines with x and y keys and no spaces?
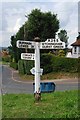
{"x":6,"y":58}
{"x":14,"y":65}
{"x":79,"y":68}
{"x":21,"y":67}
{"x":50,"y":63}
{"x":65,"y":64}
{"x":29,"y":66}
{"x":46,"y":63}
{"x":25,"y":66}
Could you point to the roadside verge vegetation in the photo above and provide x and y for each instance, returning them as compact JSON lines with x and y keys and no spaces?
{"x":50,"y":63}
{"x":52,"y":105}
{"x":54,"y":67}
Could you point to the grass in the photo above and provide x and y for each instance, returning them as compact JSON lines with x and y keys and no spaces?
{"x":26,"y":77}
{"x":53,"y":105}
{"x":51,"y":76}
{"x":0,"y":106}
{"x":59,"y":75}
{"x":0,"y":62}
{"x":4,"y":63}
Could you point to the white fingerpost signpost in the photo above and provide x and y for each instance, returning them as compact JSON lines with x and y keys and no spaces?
{"x":37,"y":45}
{"x":27,"y":56}
{"x":37,"y":68}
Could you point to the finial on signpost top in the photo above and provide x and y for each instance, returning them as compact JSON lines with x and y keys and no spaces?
{"x":37,"y":39}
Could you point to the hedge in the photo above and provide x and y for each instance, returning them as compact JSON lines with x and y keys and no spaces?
{"x":14,"y":65}
{"x":25,"y":66}
{"x":50,"y":63}
{"x":79,"y":68}
{"x":6,"y":58}
{"x":46,"y":63}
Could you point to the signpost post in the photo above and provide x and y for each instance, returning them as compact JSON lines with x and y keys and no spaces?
{"x":37,"y":68}
{"x":37,"y":45}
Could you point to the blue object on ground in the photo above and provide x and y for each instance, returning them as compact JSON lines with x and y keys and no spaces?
{"x":46,"y":87}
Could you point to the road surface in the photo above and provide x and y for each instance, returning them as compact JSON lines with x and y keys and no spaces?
{"x":12,"y":84}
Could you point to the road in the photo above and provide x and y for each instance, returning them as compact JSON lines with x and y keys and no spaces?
{"x":12,"y":84}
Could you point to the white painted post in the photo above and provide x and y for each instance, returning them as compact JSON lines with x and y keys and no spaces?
{"x":37,"y":69}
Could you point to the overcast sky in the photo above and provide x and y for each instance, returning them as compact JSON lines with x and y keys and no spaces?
{"x":12,"y":16}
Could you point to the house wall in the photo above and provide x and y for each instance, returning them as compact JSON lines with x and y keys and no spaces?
{"x":75,"y":51}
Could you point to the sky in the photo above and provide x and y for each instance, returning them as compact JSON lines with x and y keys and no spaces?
{"x":12,"y":16}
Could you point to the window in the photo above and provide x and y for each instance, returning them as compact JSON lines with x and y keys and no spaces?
{"x":75,"y":49}
{"x":57,"y":40}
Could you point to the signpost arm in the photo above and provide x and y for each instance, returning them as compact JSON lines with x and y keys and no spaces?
{"x":37,"y":69}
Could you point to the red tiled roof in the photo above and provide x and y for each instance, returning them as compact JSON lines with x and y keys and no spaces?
{"x":77,"y":43}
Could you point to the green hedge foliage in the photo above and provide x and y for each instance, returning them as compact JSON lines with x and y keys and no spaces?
{"x":79,"y":68}
{"x":14,"y":65}
{"x":50,"y":63}
{"x":6,"y":59}
{"x":46,"y":63}
{"x":25,"y":66}
{"x":65,"y":64}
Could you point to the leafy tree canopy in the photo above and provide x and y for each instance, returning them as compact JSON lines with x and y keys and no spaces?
{"x":39,"y":24}
{"x":43,"y":25}
{"x":63,"y":36}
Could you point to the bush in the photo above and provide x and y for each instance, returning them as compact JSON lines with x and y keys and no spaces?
{"x":46,"y":63}
{"x":21,"y":67}
{"x":6,"y":58}
{"x":14,"y":65}
{"x":79,"y":68}
{"x":25,"y":66}
{"x":65,"y":64}
{"x":50,"y":63}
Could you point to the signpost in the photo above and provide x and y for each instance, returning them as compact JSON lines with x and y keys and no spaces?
{"x":33,"y":71}
{"x":27,"y":56}
{"x":52,"y":44}
{"x":37,"y":45}
{"x":25,"y":44}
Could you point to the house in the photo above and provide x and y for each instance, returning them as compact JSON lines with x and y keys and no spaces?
{"x":76,"y":48}
{"x":69,"y":53}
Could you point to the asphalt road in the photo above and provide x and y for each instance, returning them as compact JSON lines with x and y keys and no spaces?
{"x":12,"y":85}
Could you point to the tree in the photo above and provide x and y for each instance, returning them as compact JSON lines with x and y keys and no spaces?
{"x":43,"y":25}
{"x":20,"y":34}
{"x":63,"y":37}
{"x":14,"y":51}
{"x":39,"y":24}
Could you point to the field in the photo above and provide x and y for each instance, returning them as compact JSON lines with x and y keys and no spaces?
{"x":52,"y":105}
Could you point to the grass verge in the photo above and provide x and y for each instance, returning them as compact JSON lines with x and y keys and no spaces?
{"x":53,"y":105}
{"x":51,"y":76}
